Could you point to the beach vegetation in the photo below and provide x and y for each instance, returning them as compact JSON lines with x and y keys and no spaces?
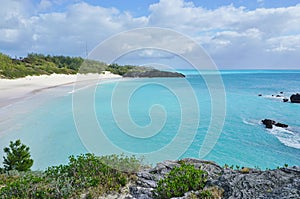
{"x":92,"y":66}
{"x":17,"y":157}
{"x":119,"y":70}
{"x":39,"y":64}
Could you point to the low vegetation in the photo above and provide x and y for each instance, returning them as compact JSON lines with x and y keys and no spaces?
{"x":90,"y":176}
{"x":39,"y":64}
{"x":119,"y":70}
{"x":181,"y":180}
{"x":85,"y":174}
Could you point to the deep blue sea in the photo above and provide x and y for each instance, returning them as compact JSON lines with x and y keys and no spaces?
{"x":45,"y":121}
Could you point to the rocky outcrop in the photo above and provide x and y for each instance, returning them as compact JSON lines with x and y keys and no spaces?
{"x":295,"y":98}
{"x":152,"y":73}
{"x":223,"y":182}
{"x":285,"y":100}
{"x":269,"y":124}
{"x":275,"y":184}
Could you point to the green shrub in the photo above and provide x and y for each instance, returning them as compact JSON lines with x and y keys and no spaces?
{"x":120,"y":70}
{"x":128,"y":164}
{"x":83,"y":174}
{"x":181,"y":180}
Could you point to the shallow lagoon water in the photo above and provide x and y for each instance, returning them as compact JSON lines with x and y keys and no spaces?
{"x":45,"y":121}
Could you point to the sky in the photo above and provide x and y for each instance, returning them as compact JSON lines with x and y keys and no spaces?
{"x":240,"y":34}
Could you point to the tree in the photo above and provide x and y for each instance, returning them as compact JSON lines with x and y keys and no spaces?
{"x":17,"y":157}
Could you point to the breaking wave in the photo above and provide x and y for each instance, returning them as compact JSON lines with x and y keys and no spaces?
{"x":288,"y":137}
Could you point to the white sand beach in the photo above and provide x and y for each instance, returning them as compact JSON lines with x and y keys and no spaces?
{"x":12,"y":90}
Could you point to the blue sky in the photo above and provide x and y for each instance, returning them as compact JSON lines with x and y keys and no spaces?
{"x":140,"y":7}
{"x":239,"y":34}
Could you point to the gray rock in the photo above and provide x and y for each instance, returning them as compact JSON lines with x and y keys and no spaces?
{"x":244,"y":183}
{"x":141,"y":192}
{"x":280,"y":183}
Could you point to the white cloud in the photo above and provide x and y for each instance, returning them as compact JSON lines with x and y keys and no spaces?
{"x":61,"y":32}
{"x":284,"y":43}
{"x":8,"y":35}
{"x":45,"y":4}
{"x":226,"y":32}
{"x":229,"y":33}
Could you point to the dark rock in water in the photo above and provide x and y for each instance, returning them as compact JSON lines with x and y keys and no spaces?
{"x":285,"y":100}
{"x":229,"y":183}
{"x":269,"y":123}
{"x":153,"y":73}
{"x":259,"y":95}
{"x":295,"y":98}
{"x":278,"y":96}
{"x":281,"y":125}
{"x":281,"y":92}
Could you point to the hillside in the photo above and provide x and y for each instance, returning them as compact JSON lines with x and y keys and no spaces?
{"x":39,"y":64}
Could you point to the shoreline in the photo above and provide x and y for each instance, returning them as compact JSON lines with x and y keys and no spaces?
{"x":14,"y":90}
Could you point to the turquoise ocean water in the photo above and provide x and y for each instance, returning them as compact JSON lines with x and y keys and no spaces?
{"x":45,"y":120}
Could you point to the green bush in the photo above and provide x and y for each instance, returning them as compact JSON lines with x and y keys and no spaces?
{"x":83,"y":174}
{"x":181,"y":180}
{"x":127,"y":164}
{"x":25,"y":186}
{"x":119,"y":70}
